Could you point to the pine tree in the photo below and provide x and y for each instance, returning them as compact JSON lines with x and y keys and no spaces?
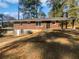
{"x":30,"y":8}
{"x":56,"y":7}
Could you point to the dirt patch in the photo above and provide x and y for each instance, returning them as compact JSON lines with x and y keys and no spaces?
{"x":52,"y":45}
{"x":33,"y":50}
{"x":6,"y":38}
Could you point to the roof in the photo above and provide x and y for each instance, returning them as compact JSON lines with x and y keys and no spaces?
{"x":46,"y":19}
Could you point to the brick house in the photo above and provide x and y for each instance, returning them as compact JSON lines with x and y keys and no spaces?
{"x":35,"y":25}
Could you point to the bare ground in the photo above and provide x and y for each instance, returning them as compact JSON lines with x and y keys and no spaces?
{"x":48,"y":45}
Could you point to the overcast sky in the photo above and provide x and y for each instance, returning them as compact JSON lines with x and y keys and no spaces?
{"x":10,"y":7}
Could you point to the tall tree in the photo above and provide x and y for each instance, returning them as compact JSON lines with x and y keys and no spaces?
{"x":56,"y":7}
{"x":29,"y":8}
{"x":74,"y":8}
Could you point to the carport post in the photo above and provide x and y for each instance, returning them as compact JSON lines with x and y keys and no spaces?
{"x":73,"y":24}
{"x":66,"y":23}
{"x":62,"y":25}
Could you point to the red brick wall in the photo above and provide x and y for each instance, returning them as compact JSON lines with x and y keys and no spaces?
{"x":33,"y":26}
{"x":54,"y":25}
{"x":28,"y":26}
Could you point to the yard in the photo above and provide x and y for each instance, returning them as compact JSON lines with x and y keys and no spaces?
{"x":55,"y":44}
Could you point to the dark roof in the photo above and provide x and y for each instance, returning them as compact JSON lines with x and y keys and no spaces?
{"x":46,"y":19}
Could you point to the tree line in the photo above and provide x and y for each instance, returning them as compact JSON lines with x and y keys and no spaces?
{"x":33,"y":8}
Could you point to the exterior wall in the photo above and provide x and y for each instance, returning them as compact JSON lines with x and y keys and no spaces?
{"x":55,"y":25}
{"x":29,"y":26}
{"x":17,"y":32}
{"x":25,"y":27}
{"x":25,"y":31}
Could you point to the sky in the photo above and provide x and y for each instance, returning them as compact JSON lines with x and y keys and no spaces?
{"x":10,"y":7}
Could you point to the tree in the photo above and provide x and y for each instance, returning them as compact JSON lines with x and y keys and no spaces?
{"x":73,"y":11}
{"x":5,"y":20}
{"x":41,"y":14}
{"x":1,"y":20}
{"x":29,"y":8}
{"x":56,"y":7}
{"x":74,"y":8}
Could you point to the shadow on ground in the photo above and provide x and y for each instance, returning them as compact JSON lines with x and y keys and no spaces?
{"x":38,"y":48}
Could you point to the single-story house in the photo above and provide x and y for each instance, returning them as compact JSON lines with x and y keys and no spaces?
{"x":35,"y":25}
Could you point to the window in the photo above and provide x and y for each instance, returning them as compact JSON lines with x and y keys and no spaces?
{"x":38,"y":23}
